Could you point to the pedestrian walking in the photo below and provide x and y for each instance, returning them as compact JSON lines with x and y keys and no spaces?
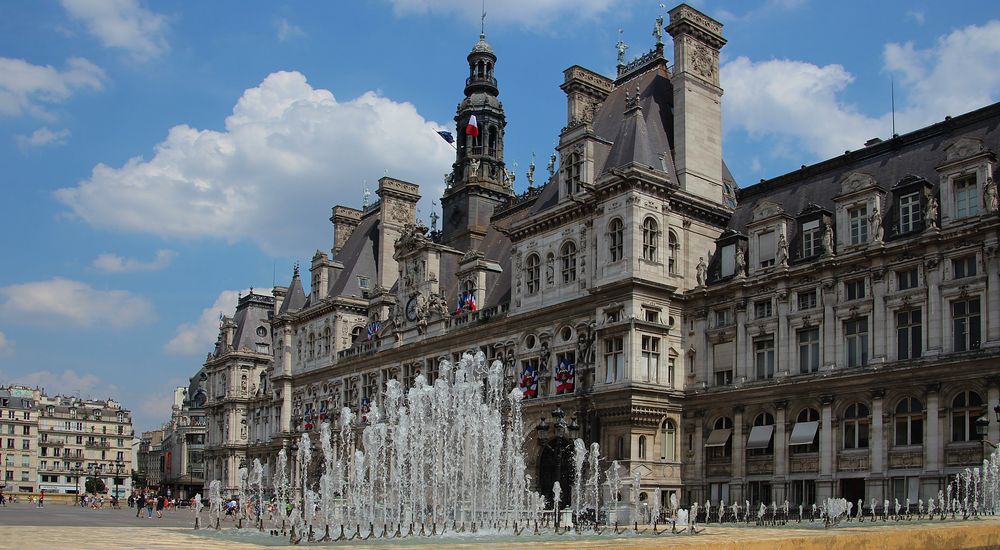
{"x":159,"y":505}
{"x":41,"y":499}
{"x":150,"y":503}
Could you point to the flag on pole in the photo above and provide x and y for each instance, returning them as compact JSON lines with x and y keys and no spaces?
{"x":446,"y":136}
{"x":472,"y":128}
{"x":373,"y":329}
{"x":470,"y":302}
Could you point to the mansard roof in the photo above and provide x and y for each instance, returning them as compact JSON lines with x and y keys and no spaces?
{"x":917,"y":153}
{"x":252,"y":311}
{"x":295,"y":298}
{"x":359,"y":257}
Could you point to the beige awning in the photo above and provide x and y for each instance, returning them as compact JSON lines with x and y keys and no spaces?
{"x":760,"y":437}
{"x":803,"y":433}
{"x":719,"y":438}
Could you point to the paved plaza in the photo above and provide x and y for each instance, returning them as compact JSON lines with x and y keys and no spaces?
{"x":61,"y":526}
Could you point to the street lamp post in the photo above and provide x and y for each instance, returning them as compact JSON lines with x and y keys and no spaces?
{"x":563,"y":431}
{"x":983,"y":426}
{"x":76,"y":476}
{"x":118,"y":473}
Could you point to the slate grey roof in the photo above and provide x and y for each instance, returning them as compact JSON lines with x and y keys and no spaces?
{"x":916,"y":153}
{"x":295,"y":298}
{"x":252,"y":312}
{"x":359,"y":259}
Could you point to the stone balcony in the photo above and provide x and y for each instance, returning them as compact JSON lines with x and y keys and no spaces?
{"x":964,"y":454}
{"x":906,"y":458}
{"x":760,"y":465}
{"x":803,"y":463}
{"x":853,"y":460}
{"x":719,"y":467}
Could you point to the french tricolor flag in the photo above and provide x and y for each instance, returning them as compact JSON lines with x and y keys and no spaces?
{"x":472,"y":128}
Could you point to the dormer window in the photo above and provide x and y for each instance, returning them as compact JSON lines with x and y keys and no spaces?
{"x":765,"y":248}
{"x":966,"y":197}
{"x":909,"y":212}
{"x":574,"y":173}
{"x":858,"y":218}
{"x":364,"y":283}
{"x":812,"y":238}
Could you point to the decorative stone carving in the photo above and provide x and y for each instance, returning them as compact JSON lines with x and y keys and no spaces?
{"x":701,"y":271}
{"x":474,"y":167}
{"x":828,"y":246}
{"x":875,"y":222}
{"x":990,"y":199}
{"x":741,"y":263}
{"x":962,"y":148}
{"x":931,"y":214}
{"x":782,"y":254}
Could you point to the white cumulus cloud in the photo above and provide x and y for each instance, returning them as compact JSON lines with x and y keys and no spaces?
{"x":530,"y":13}
{"x":67,"y":382}
{"x":122,"y":24}
{"x":60,"y":301}
{"x":288,"y":153}
{"x":113,"y":263}
{"x":43,"y":137}
{"x":31,"y":89}
{"x":798,"y":105}
{"x":199,"y":336}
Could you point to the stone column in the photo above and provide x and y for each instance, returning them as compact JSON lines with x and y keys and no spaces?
{"x":739,"y":460}
{"x":934,"y":334}
{"x":826,"y":442}
{"x":933,"y":443}
{"x":992,"y":400}
{"x":877,"y":446}
{"x":992,"y":265}
{"x":286,"y":385}
{"x":699,"y":450}
{"x":780,"y":451}
{"x":783,"y":343}
{"x":828,"y":293}
{"x":740,"y":348}
{"x":879,"y":326}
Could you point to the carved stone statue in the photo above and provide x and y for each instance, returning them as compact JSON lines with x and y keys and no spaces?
{"x":875,"y":221}
{"x":473,"y":167}
{"x":782,"y":254}
{"x":552,"y":165}
{"x":931,"y":215}
{"x":828,"y":239}
{"x":531,"y":172}
{"x":439,"y":305}
{"x":658,"y":30}
{"x":741,"y":262}
{"x":701,"y":271}
{"x":550,"y":270}
{"x":621,"y":46}
{"x":447,"y":181}
{"x":511,"y":176}
{"x":990,"y":198}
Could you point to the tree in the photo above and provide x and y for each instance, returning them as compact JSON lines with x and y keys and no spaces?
{"x":95,"y":485}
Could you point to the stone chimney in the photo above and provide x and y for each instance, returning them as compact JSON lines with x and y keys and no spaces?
{"x":344,"y":219}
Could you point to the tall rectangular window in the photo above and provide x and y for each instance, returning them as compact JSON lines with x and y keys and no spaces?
{"x":855,"y":289}
{"x":906,"y":279}
{"x":963,"y":267}
{"x":723,"y":317}
{"x":909,"y":212}
{"x":966,"y":329}
{"x":808,"y":350}
{"x":764,"y":358}
{"x":723,"y":355}
{"x":856,"y":333}
{"x":807,"y":299}
{"x":966,"y":197}
{"x":811,"y":239}
{"x":859,"y":224}
{"x":908,"y":334}
{"x":671,"y":367}
{"x":650,"y":361}
{"x":762,"y":309}
{"x":765,"y":248}
{"x":614,"y":359}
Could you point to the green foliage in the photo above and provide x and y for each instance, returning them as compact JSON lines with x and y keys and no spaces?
{"x":95,"y":485}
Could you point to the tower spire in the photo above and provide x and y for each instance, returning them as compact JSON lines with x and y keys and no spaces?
{"x":482,"y":22}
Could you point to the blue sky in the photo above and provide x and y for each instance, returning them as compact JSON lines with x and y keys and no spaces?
{"x":161,"y":157}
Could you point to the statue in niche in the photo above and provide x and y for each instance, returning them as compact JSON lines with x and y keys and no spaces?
{"x":473,"y":167}
{"x":543,"y":358}
{"x":741,"y":262}
{"x":550,"y":270}
{"x":875,"y":221}
{"x":990,"y":198}
{"x":782,"y":254}
{"x":931,"y":216}
{"x":828,"y":239}
{"x":243,"y":428}
{"x":701,"y":271}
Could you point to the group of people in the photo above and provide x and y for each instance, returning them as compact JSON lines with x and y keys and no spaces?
{"x":150,"y":502}
{"x":96,"y":502}
{"x":40,"y":501}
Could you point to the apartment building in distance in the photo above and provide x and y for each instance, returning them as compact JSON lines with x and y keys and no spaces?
{"x":19,"y":429}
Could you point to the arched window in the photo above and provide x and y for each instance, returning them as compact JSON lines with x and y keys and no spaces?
{"x":312,"y":345}
{"x":568,"y":255}
{"x":532,"y":273}
{"x":763,"y":419}
{"x":616,"y":240}
{"x":669,"y":437}
{"x":965,"y":409}
{"x":620,"y":448}
{"x":356,"y":333}
{"x":492,"y":143}
{"x":722,"y":450}
{"x":642,"y":447}
{"x":650,"y":238}
{"x":856,"y":427}
{"x":672,"y":249}
{"x":909,"y":422}
{"x":807,"y":415}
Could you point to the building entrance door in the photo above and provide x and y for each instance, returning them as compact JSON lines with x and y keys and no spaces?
{"x":852,"y":489}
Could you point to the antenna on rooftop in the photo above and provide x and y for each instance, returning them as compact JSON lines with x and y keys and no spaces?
{"x":482,"y":21}
{"x":892,"y":103}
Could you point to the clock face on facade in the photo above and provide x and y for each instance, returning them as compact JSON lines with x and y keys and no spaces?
{"x":411,"y":309}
